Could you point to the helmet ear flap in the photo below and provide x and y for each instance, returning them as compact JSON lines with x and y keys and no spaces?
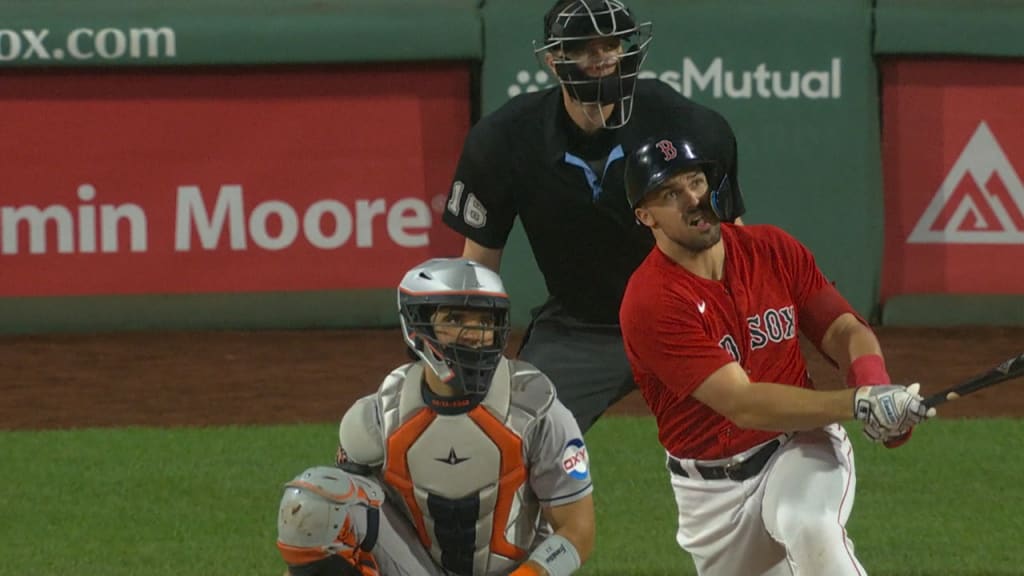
{"x":726,"y":201}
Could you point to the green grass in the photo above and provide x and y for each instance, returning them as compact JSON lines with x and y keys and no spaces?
{"x":198,"y":501}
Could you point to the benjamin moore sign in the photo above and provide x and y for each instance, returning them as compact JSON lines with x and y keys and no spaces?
{"x":201,"y":182}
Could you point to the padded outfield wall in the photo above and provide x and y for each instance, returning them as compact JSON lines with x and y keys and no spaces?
{"x":224,"y":164}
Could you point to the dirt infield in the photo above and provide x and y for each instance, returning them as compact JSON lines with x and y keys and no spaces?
{"x":218,"y":378}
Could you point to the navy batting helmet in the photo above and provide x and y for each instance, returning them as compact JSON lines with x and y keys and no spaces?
{"x":658,"y":159}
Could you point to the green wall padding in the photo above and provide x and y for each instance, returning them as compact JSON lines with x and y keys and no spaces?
{"x":950,"y":27}
{"x":954,"y":310}
{"x":233,"y":32}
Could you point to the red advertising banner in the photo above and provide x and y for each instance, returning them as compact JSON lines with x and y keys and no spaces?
{"x":225,"y":180}
{"x":953,"y":151}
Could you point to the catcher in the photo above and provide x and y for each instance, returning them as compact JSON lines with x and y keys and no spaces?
{"x":454,"y":464}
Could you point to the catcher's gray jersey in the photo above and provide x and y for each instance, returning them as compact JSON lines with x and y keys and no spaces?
{"x":471,"y":479}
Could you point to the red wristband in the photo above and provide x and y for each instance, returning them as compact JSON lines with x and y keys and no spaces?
{"x":867,"y":370}
{"x":899,"y":440}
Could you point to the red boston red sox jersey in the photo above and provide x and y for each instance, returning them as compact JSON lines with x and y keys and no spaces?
{"x":679,"y":328}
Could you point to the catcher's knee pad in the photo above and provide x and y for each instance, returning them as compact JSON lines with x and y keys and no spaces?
{"x":327,"y":512}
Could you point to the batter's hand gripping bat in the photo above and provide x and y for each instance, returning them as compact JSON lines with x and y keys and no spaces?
{"x":1012,"y":368}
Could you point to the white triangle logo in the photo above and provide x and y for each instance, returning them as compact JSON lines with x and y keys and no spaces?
{"x":986,"y":208}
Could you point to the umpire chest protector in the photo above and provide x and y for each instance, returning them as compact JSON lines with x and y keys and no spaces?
{"x":462,"y":477}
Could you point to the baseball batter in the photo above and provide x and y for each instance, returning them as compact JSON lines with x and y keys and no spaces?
{"x":762,"y":472}
{"x":450,"y":467}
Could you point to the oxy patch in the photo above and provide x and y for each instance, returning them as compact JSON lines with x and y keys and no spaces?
{"x":574,"y":459}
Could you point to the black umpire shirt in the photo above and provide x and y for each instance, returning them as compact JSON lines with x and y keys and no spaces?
{"x":528,"y":158}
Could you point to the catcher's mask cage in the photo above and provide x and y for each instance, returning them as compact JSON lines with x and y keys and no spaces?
{"x":459,"y":284}
{"x":568,"y":28}
{"x":657,"y":160}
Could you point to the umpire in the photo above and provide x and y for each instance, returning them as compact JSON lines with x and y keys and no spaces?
{"x":555,"y":159}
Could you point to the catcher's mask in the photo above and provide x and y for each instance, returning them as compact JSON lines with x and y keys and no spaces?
{"x":438,"y":295}
{"x":658,"y":159}
{"x":570,"y":27}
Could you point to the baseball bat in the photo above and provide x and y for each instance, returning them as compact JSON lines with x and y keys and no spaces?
{"x":1009,"y":370}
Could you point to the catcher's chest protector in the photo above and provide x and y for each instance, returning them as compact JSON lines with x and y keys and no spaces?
{"x":463,"y":478}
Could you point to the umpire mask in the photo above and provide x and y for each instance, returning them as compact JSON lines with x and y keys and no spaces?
{"x":598,"y":49}
{"x":435,"y":299}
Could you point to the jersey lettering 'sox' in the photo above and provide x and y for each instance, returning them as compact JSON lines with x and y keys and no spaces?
{"x":773,"y":325}
{"x":574,"y":459}
{"x":667,"y":149}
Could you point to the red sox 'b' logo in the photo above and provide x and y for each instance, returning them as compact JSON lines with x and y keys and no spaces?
{"x":667,"y":149}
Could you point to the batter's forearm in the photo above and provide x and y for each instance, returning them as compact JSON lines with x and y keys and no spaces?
{"x":784,"y":408}
{"x":769,"y":406}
